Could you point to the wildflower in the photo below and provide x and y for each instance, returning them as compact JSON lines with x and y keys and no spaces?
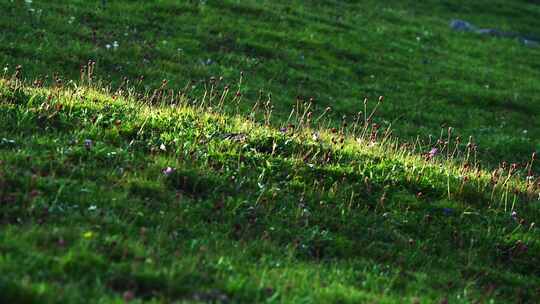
{"x":115,"y":44}
{"x":88,"y":144}
{"x":107,"y":46}
{"x":34,"y":193}
{"x":432,"y":153}
{"x":128,"y":296}
{"x":92,"y":208}
{"x":514,"y":215}
{"x":168,"y":171}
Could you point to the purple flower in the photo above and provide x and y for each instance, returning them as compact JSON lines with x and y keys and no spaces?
{"x":168,"y":171}
{"x":432,"y":153}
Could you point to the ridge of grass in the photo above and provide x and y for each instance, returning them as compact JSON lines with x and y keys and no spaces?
{"x":114,"y":195}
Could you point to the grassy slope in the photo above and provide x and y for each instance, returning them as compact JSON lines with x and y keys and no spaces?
{"x":272,"y":216}
{"x":334,"y":51}
{"x":259,"y":216}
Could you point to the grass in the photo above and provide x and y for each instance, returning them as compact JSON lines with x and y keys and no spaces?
{"x":336,"y":52}
{"x":260,"y":181}
{"x":111,"y":195}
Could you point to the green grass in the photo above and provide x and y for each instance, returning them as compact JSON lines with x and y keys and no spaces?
{"x":247,"y":213}
{"x":241,"y":191}
{"x":334,"y":51}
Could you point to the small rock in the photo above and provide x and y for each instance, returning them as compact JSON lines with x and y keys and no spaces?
{"x":491,"y":32}
{"x":530,"y":43}
{"x":462,"y":26}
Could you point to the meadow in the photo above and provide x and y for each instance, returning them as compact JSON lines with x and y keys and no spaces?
{"x":268,"y":151}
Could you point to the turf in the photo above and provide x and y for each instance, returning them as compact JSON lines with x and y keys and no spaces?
{"x":244,"y":187}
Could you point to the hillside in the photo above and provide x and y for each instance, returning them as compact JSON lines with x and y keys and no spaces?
{"x":334,"y":51}
{"x":109,"y":195}
{"x":223,"y":152}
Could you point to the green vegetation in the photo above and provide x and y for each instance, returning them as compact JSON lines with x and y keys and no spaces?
{"x":334,"y":51}
{"x":115,"y":188}
{"x":106,"y":197}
